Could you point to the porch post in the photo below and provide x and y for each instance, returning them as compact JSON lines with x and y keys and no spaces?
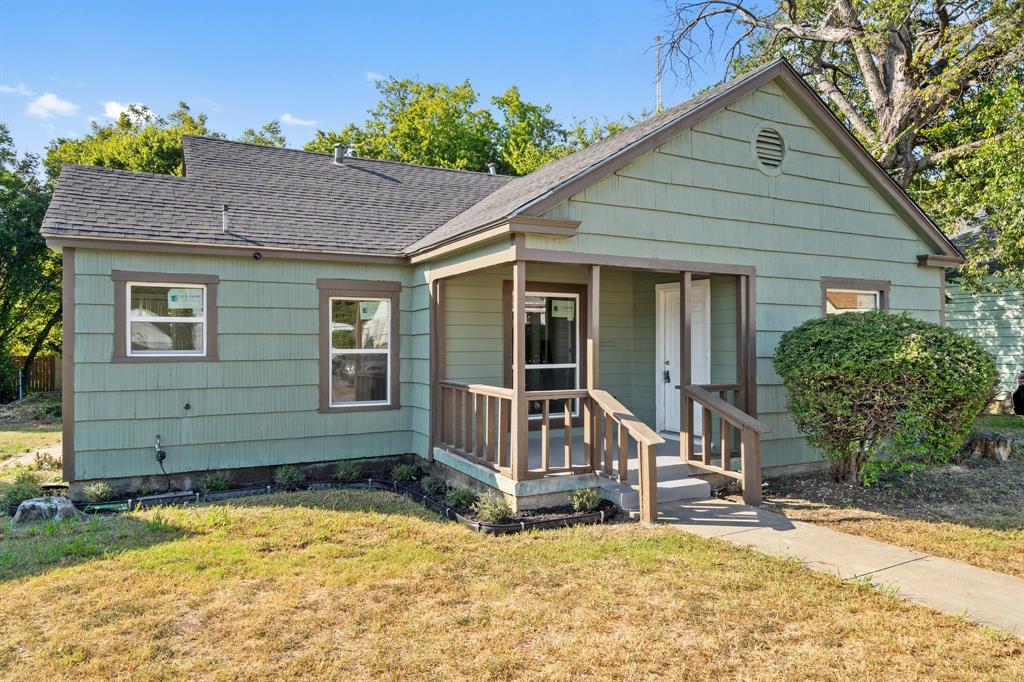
{"x":742,"y":320}
{"x":685,"y":368}
{"x":751,"y":346}
{"x":436,"y":363}
{"x":592,"y":453}
{"x":520,"y":409}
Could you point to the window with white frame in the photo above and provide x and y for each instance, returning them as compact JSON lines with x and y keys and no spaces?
{"x":360,"y":351}
{"x":851,"y":301}
{"x":166,"y":319}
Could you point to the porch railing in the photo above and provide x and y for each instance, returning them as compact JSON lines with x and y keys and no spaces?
{"x":738,"y":433}
{"x":475,"y":422}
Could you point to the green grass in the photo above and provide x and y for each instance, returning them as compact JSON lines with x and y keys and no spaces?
{"x":1007,"y":424}
{"x":367,"y":585}
{"x":18,"y":439}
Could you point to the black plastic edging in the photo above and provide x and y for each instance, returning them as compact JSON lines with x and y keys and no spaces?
{"x":439,"y":508}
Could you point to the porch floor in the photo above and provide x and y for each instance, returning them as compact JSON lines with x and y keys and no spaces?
{"x":674,"y":480}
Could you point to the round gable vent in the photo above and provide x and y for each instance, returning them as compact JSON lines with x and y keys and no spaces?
{"x":770,"y":150}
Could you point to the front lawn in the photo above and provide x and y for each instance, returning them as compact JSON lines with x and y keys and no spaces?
{"x":972,"y":511}
{"x":366,"y":585}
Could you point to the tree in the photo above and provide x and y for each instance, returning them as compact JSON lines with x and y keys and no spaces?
{"x":138,"y":140}
{"x":269,"y":135}
{"x":904,"y":76}
{"x":879,"y":392}
{"x":30,"y":274}
{"x":432,"y":124}
{"x":436,"y":124}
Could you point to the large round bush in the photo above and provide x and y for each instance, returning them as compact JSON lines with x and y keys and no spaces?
{"x":875,"y":390}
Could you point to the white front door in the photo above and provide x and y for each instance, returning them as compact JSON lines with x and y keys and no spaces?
{"x":668,"y":326}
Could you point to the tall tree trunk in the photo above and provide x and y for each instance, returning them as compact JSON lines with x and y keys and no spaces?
{"x":37,"y":345}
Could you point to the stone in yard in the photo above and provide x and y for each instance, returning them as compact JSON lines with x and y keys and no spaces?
{"x":991,"y":445}
{"x":42,"y":508}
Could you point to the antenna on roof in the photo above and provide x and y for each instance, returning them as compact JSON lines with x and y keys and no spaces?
{"x":492,"y":168}
{"x":657,"y":75}
{"x":225,"y":219}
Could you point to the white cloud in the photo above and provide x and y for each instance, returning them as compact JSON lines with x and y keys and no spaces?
{"x":48,"y":105}
{"x":373,"y":76}
{"x":18,"y":89}
{"x":114,"y":109}
{"x":296,"y":121}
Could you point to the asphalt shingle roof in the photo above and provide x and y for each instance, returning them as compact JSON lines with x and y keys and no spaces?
{"x":282,"y":198}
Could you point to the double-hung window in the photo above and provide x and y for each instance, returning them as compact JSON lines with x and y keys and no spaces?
{"x":844,"y":295}
{"x":359,"y":342}
{"x":164,"y":316}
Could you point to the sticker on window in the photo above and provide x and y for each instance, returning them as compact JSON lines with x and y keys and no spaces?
{"x":563,"y":309}
{"x":367,"y":309}
{"x":179,"y":299}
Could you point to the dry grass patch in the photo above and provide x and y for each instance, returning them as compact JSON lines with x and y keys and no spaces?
{"x":972,"y":511}
{"x":364,"y":585}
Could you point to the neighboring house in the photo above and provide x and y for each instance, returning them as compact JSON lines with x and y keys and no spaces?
{"x":535,"y":334}
{"x":995,"y":320}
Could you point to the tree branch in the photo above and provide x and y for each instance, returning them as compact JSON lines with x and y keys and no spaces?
{"x":954,"y":152}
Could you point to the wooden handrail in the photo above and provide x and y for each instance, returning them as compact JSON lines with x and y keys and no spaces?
{"x":733,"y":415}
{"x":479,"y":389}
{"x":640,"y":432}
{"x":557,"y":395}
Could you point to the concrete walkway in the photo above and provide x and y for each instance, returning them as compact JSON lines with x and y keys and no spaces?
{"x":954,"y":587}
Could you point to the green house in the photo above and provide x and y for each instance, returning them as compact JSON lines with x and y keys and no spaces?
{"x":607,"y":321}
{"x":995,"y":319}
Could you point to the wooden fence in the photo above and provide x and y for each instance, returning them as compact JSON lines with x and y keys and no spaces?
{"x":43,"y":377}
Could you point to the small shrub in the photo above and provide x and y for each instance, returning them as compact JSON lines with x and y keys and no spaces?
{"x":98,"y":492}
{"x":459,"y":498}
{"x":26,"y":486}
{"x":213,"y":483}
{"x":44,"y":461}
{"x":403,"y":472}
{"x":584,"y":500}
{"x":347,"y":471}
{"x":288,"y":476}
{"x":492,"y":509}
{"x":434,"y":485}
{"x":878,"y":392}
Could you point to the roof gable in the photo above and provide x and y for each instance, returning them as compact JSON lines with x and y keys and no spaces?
{"x":538,"y":192}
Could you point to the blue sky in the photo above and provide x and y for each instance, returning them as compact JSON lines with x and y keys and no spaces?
{"x":312,"y":64}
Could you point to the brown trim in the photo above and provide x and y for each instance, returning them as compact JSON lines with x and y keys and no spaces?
{"x":437,"y":361}
{"x":933,"y":261}
{"x":247,"y":251}
{"x":120,"y":278}
{"x":751,"y":346}
{"x":498,"y":258}
{"x":632,"y":262}
{"x":67,"y":359}
{"x":881,"y":286}
{"x":581,"y":327}
{"x":351,"y":288}
{"x":942,"y":297}
{"x":514,"y":225}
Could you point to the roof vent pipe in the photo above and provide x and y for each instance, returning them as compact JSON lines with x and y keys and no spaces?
{"x":225,"y":219}
{"x":340,"y":152}
{"x":492,"y":168}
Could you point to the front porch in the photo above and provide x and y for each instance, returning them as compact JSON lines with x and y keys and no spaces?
{"x":508,"y":415}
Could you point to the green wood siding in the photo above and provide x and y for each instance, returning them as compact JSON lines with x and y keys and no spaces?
{"x":258,"y":404}
{"x":699,"y":197}
{"x":996,"y":321}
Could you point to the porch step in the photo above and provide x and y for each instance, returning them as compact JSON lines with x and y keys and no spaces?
{"x":627,"y":497}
